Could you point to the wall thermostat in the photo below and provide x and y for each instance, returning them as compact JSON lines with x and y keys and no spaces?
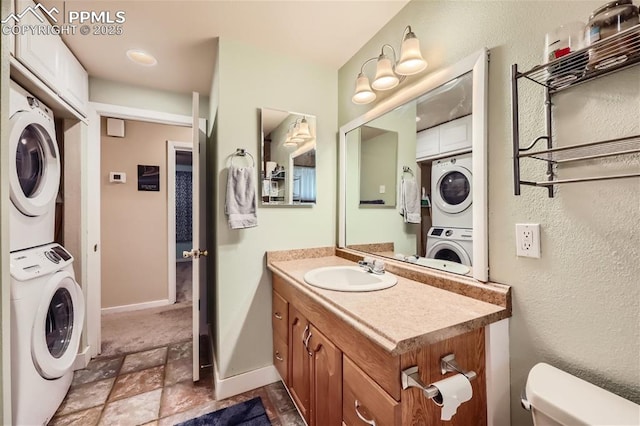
{"x":117,"y":177}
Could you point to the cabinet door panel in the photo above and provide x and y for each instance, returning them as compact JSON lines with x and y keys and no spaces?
{"x":76,"y":81}
{"x":280,"y":317}
{"x":326,"y":409}
{"x":427,"y":143}
{"x":300,"y":362}
{"x":363,"y":401}
{"x":281,"y":357}
{"x":456,"y":134}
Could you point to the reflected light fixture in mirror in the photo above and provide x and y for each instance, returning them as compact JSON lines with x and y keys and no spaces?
{"x":389,"y":74}
{"x":298,"y":133}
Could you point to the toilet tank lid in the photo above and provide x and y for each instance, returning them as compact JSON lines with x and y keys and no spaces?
{"x":573,"y":401}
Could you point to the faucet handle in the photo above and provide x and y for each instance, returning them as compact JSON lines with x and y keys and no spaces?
{"x":368,"y":260}
{"x":378,"y":266}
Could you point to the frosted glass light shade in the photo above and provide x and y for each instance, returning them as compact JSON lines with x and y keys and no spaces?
{"x":363,"y":94}
{"x":385,"y":77}
{"x":303,"y":130}
{"x":411,"y":61}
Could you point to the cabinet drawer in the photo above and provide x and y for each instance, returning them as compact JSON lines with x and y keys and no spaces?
{"x":280,"y":317}
{"x":280,"y":357}
{"x":361,"y":395}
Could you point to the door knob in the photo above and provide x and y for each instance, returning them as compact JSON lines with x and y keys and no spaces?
{"x":194,"y":253}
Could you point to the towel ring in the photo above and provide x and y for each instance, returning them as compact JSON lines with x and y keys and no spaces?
{"x":241,"y":152}
{"x":407,"y":169}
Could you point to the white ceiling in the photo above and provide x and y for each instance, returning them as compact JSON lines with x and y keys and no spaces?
{"x":181,"y":35}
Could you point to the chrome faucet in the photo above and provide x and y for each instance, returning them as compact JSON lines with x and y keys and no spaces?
{"x":375,"y":266}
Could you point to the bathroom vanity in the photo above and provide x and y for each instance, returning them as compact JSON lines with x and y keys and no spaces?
{"x":341,"y":355}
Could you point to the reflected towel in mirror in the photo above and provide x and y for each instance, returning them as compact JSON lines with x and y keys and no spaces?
{"x":410,"y":200}
{"x":240,"y":204}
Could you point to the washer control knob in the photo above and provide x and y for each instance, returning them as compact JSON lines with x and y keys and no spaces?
{"x":448,"y":233}
{"x":52,"y":256}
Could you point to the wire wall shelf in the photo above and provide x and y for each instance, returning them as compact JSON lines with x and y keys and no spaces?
{"x":601,"y":58}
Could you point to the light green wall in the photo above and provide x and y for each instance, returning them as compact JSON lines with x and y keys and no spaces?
{"x":5,"y":363}
{"x":249,"y":79}
{"x":113,"y":92}
{"x":378,"y":167}
{"x":366,"y":224}
{"x":576,"y":307}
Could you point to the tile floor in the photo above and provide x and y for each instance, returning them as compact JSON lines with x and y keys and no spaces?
{"x":154,"y":387}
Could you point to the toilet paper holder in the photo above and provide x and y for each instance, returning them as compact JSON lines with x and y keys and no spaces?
{"x":448,"y":364}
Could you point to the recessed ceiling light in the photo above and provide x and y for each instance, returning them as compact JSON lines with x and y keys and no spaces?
{"x":141,"y":57}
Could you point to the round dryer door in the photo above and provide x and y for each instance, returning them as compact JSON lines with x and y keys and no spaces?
{"x":448,"y":250}
{"x":34,"y":175}
{"x":453,"y":193}
{"x":57,"y":326}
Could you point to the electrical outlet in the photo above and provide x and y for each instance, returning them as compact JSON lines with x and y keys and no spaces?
{"x":528,"y":240}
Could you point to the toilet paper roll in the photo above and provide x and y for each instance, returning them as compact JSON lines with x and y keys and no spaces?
{"x":454,"y":391}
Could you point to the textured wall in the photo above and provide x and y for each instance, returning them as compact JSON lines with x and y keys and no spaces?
{"x":243,"y":286}
{"x":134,"y":223}
{"x":577,"y":307}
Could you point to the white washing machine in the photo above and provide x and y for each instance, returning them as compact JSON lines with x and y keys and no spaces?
{"x":47,"y":313}
{"x":452,"y":244}
{"x":34,"y":175}
{"x":451,"y":192}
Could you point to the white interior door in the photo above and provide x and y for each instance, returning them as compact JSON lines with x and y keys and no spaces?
{"x":198,"y":251}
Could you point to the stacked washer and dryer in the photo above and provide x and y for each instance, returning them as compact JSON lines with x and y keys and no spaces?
{"x":451,"y":236}
{"x":47,"y":304}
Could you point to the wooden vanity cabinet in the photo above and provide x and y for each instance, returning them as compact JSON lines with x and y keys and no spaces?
{"x":337,"y":376}
{"x":280,"y":322}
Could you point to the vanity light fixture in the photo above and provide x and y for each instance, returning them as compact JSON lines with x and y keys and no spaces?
{"x":298,"y":132}
{"x":141,"y":57}
{"x":388,"y":73}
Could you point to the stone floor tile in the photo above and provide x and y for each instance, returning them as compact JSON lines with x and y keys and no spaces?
{"x":88,"y":417}
{"x":180,"y":350}
{"x":184,"y":396}
{"x":98,"y":369}
{"x":189,"y":414}
{"x":178,"y":371}
{"x":141,"y":360}
{"x":280,"y":397}
{"x":138,"y":382}
{"x":136,"y":410}
{"x":86,"y":396}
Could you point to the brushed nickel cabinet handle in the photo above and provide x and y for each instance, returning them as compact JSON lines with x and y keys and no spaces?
{"x":278,"y":357}
{"x":277,"y":315}
{"x":306,"y":344}
{"x":361,"y":417}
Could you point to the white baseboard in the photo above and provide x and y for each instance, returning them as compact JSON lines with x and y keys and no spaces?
{"x":135,"y":306}
{"x":82,"y":359}
{"x":225,"y":388}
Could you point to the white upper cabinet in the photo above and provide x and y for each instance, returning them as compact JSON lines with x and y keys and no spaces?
{"x":453,"y":136}
{"x":49,"y":59}
{"x":39,"y":52}
{"x":75,"y":89}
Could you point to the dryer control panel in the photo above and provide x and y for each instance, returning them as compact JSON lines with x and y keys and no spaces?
{"x":34,"y":262}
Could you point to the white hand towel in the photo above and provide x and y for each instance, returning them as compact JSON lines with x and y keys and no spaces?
{"x":240,"y":205}
{"x":410,"y":201}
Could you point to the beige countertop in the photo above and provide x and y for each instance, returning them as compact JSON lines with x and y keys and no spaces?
{"x":400,"y":319}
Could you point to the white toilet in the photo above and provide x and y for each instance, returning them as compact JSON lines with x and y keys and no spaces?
{"x":556,"y":398}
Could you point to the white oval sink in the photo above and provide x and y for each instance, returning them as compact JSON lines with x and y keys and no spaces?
{"x":444,"y":265}
{"x":349,"y":278}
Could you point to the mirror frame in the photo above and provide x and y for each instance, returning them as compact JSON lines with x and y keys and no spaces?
{"x":478,"y":63}
{"x":261,"y":159}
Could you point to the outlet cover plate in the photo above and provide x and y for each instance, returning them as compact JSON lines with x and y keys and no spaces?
{"x":528,"y":240}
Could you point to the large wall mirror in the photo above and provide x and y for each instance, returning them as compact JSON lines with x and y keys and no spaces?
{"x":288,"y":160}
{"x":413,"y":174}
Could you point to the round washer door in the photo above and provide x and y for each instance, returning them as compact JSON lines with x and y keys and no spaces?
{"x":449,"y":250}
{"x":453,"y":194}
{"x":57,"y":326}
{"x":34,"y":175}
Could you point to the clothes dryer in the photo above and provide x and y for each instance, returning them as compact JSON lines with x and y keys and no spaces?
{"x":34,"y":173}
{"x":47,"y":314}
{"x":452,"y":244}
{"x":451,"y":192}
